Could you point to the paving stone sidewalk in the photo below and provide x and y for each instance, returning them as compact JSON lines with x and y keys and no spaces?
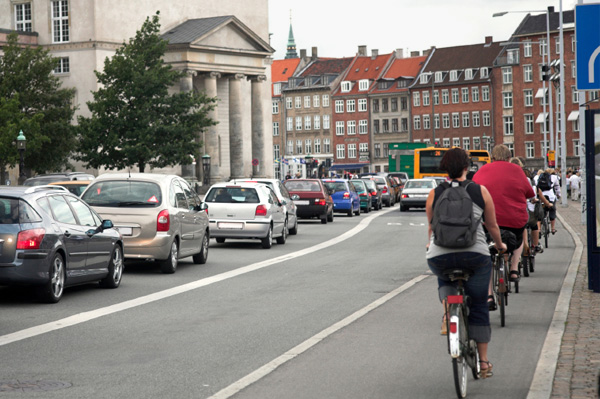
{"x":578,"y":364}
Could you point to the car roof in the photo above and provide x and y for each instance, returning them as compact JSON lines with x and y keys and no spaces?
{"x":70,"y":182}
{"x":157,"y":177}
{"x":20,"y":191}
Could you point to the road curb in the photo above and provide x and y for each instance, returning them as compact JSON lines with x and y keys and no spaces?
{"x":543,"y":379}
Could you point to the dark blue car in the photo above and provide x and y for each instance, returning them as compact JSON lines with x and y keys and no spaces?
{"x":344,"y":195}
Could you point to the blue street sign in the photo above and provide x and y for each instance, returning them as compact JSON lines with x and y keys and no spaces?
{"x":587,"y":35}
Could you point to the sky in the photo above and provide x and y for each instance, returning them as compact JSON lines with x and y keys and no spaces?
{"x":338,"y":27}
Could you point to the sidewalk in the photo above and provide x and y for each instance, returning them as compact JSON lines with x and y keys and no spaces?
{"x":578,"y":363}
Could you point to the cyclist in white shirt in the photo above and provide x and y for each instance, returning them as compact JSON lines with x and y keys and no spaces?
{"x":552,"y":195}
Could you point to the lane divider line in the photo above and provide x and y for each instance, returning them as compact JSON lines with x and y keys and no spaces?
{"x":157,"y":296}
{"x":312,"y":341}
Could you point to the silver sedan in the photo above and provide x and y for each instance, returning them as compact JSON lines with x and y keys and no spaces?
{"x":246,"y":211}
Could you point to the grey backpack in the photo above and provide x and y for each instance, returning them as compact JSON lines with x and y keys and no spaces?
{"x":454,"y":224}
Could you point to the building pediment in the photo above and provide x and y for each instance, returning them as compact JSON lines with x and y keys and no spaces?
{"x":225,"y":33}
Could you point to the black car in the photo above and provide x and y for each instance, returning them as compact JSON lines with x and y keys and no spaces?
{"x":48,"y":178}
{"x":51,"y":239}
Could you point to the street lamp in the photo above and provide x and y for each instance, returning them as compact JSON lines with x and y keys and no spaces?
{"x":21,"y":145}
{"x":205,"y":169}
{"x":547,"y":48}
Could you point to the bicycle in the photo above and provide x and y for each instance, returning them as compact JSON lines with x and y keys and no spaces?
{"x":545,"y":227}
{"x":500,"y":282}
{"x":462,"y":349}
{"x":529,"y":260}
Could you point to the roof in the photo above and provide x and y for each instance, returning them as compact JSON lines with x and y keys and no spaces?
{"x":365,"y":68}
{"x":403,"y":71}
{"x":281,"y":70}
{"x":322,"y":66}
{"x":536,"y":24}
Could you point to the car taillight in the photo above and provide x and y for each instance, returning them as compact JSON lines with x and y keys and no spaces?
{"x":374,"y":193}
{"x":404,"y":195}
{"x":363,"y":195}
{"x":30,"y":239}
{"x":261,"y":210}
{"x":346,"y":195}
{"x":163,"y":221}
{"x":320,"y":202}
{"x":385,"y":190}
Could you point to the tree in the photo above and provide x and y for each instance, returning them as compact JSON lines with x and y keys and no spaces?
{"x":32,"y":100}
{"x":135,"y":121}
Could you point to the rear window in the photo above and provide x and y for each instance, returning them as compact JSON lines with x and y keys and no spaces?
{"x":232,"y":195}
{"x":379,"y":180}
{"x":292,"y":185}
{"x":336,"y":186}
{"x":419,"y":184}
{"x":359,"y":185}
{"x":14,"y":211}
{"x":123,"y":193}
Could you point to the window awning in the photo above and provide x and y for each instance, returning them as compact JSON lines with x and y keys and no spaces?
{"x":573,"y":116}
{"x":347,"y":166}
{"x":541,"y":118}
{"x":541,"y":93}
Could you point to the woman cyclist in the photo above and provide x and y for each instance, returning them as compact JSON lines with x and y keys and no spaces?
{"x":475,"y":258}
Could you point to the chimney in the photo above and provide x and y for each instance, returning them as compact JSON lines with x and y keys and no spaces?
{"x":415,"y":53}
{"x":362,"y":50}
{"x":302,"y":53}
{"x":489,"y":40}
{"x":426,"y":52}
{"x":374,"y":53}
{"x":551,"y":9}
{"x":314,"y":54}
{"x":399,"y":53}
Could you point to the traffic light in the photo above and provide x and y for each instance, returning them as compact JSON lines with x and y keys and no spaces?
{"x":545,"y":72}
{"x":315,"y":163}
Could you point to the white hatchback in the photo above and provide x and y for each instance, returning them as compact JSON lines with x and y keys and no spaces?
{"x":246,"y":211}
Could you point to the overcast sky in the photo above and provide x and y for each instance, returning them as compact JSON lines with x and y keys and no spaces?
{"x":338,"y":27}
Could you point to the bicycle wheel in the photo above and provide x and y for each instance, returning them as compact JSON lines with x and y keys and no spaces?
{"x":519,"y":269}
{"x":502,"y":290}
{"x":474,"y":353}
{"x":525,"y":263}
{"x":531,"y":263}
{"x":459,"y":364}
{"x":546,"y":230}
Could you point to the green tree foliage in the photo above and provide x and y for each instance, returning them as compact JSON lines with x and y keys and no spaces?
{"x":32,"y":100}
{"x":135,"y":121}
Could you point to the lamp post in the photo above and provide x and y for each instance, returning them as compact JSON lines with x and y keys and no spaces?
{"x":544,"y":68}
{"x":308,"y":160}
{"x":205,"y":169}
{"x":21,"y":146}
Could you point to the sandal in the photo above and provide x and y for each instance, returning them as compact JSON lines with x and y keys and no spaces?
{"x":491,"y":303}
{"x":514,"y":276}
{"x":486,"y":372}
{"x":553,"y":231}
{"x":444,"y":329}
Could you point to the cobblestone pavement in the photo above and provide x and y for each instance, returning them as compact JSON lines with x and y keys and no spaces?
{"x":578,"y":364}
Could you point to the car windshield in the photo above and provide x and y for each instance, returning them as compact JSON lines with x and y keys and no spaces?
{"x":336,"y":186}
{"x":233,"y":195}
{"x":292,"y":185}
{"x":420,"y":184}
{"x":123,"y":193}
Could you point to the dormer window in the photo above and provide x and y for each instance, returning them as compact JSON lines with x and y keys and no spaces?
{"x":468,"y":74}
{"x":402,"y":83}
{"x":346,"y":85}
{"x":439,"y":76}
{"x":453,"y":75}
{"x":277,"y":89}
{"x":484,"y":72}
{"x":363,"y":84}
{"x":424,"y":78}
{"x":384,"y":84}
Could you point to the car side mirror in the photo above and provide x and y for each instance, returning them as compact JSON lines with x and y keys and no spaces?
{"x":295,"y":197}
{"x":202,"y":207}
{"x":283,"y":202}
{"x":107,"y":224}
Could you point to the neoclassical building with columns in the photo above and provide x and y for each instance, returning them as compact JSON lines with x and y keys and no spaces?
{"x":223,"y":48}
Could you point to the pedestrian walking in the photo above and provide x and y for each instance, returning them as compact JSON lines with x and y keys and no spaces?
{"x":575,"y":181}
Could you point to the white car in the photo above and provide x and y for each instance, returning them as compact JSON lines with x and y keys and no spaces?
{"x":246,"y":211}
{"x":415,"y":193}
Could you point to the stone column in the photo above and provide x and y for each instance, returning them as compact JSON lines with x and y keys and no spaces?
{"x":236,"y":139}
{"x":186,"y":84}
{"x":258,"y":126}
{"x":211,"y":143}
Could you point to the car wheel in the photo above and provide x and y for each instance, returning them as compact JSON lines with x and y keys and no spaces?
{"x":52,"y":291}
{"x":403,"y":208}
{"x":169,"y":265}
{"x":357,"y":213}
{"x":294,"y":230}
{"x":351,"y":210}
{"x":220,"y":240}
{"x":324,"y":219}
{"x":281,"y":239}
{"x":330,"y":216}
{"x":201,"y":257}
{"x":267,"y":242}
{"x":115,"y":269}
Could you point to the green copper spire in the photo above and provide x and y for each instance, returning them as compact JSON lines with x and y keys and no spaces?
{"x":291,"y":44}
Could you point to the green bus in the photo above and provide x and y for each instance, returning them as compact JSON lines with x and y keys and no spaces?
{"x":401,"y":157}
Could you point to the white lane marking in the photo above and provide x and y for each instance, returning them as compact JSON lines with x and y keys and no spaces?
{"x":309,"y":343}
{"x":143,"y":300}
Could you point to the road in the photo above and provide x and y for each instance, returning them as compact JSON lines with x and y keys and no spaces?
{"x":343,"y":310}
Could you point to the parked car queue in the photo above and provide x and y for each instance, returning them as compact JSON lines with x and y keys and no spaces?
{"x":53,"y":236}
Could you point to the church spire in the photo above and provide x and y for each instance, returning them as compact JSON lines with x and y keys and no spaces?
{"x":291,"y":44}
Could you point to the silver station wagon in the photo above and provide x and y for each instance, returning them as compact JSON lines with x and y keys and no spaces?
{"x":246,"y":211}
{"x":160,"y":217}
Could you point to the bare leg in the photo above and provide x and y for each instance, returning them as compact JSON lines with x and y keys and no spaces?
{"x":516,"y":256}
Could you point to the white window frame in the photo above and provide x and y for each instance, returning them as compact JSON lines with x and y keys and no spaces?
{"x":316,"y":101}
{"x":445,"y":96}
{"x":326,"y":146}
{"x":426,"y":122}
{"x":446,"y":142}
{"x":362,"y":105}
{"x":325,"y":100}
{"x":326,"y":122}
{"x":363,"y":126}
{"x":528,"y":97}
{"x":306,"y":101}
{"x":455,"y":96}
{"x":275,"y":108}
{"x":455,"y":120}
{"x":465,"y":94}
{"x":507,"y":99}
{"x":453,"y":75}
{"x":60,"y":21}
{"x":345,"y":86}
{"x":307,"y":122}
{"x":508,"y":125}
{"x":289,"y":123}
{"x":298,"y":123}
{"x":317,"y":122}
{"x":445,"y":121}
{"x":466,"y":143}
{"x":351,"y":127}
{"x":363,"y":85}
{"x":350,"y":105}
{"x":529,"y":123}
{"x":484,"y":72}
{"x":426,"y":99}
{"x":416,"y":99}
{"x":317,"y":146}
{"x":23,"y":17}
{"x":340,"y":151}
{"x":528,"y":73}
{"x":486,"y":118}
{"x":485,"y":93}
{"x":529,"y":149}
{"x":339,"y":106}
{"x":439,"y":77}
{"x":417,"y":122}
{"x":288,"y":102}
{"x":277,"y":89}
{"x":527,"y":48}
{"x":468,"y":74}
{"x":63,"y":66}
{"x":298,"y":102}
{"x":476,"y":119}
{"x":507,"y":75}
{"x":275,"y":128}
{"x":466,"y":119}
{"x":308,"y":146}
{"x":352,"y":150}
{"x":339,"y":128}
{"x":455,"y":141}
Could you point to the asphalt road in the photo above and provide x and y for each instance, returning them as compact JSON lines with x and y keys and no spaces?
{"x":343,"y":310}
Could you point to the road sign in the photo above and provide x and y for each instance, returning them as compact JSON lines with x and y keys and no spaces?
{"x":551,"y":158}
{"x":587,"y":35}
{"x":255,"y":162}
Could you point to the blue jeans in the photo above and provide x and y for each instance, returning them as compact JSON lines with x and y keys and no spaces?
{"x":476,"y":287}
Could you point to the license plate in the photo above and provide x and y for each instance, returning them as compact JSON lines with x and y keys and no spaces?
{"x":301,"y":202}
{"x":230,"y":225}
{"x":418,"y":195}
{"x":126,"y":231}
